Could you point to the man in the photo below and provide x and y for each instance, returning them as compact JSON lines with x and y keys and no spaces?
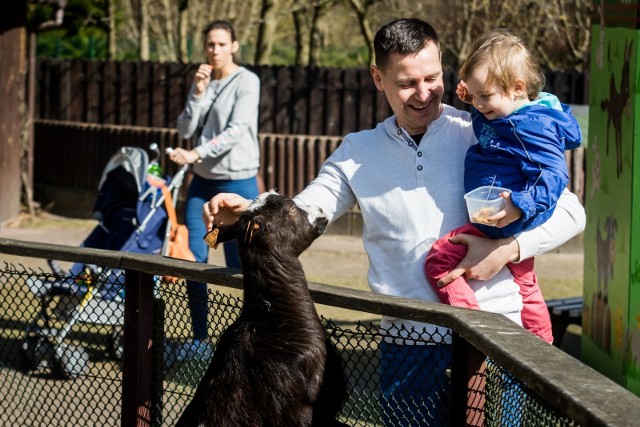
{"x":407,"y":177}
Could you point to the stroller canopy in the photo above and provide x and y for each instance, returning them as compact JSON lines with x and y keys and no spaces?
{"x":134,"y":160}
{"x":131,"y":214}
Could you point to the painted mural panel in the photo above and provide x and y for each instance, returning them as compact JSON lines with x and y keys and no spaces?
{"x":611,"y":318}
{"x":632,"y":365}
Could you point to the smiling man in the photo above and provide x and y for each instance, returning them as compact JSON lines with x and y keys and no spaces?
{"x":413,"y":83}
{"x":406,"y":175}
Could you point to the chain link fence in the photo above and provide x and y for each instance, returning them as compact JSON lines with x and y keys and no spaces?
{"x":61,"y":358}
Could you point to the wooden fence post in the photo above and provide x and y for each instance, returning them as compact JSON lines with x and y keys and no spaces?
{"x":137,"y":358}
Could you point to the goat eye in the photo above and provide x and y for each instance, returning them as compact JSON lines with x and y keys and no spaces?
{"x":292,"y":210}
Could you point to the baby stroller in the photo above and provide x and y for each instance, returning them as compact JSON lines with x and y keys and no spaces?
{"x":130,"y":208}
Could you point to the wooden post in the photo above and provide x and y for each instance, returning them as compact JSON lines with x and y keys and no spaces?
{"x":611,"y":316}
{"x":13,"y":51}
{"x":467,"y":384}
{"x":137,"y":358}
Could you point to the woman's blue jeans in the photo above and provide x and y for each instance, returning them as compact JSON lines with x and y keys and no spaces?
{"x":201,"y":190}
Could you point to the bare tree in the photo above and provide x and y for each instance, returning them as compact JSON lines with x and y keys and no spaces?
{"x":557,"y":31}
{"x":243,"y":14}
{"x":112,"y":46}
{"x":299,"y":13}
{"x":162,"y":19}
{"x":315,"y":35}
{"x":464,"y":20}
{"x":563,"y":41}
{"x":266,"y":31}
{"x":361,"y":8}
{"x":174,"y":26}
{"x":143,"y":29}
{"x":183,"y":31}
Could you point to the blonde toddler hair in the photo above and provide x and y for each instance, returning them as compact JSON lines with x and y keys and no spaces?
{"x":507,"y":59}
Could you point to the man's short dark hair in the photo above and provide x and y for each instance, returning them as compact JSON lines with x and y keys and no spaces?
{"x":405,"y":36}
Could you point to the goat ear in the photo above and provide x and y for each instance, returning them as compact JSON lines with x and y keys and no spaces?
{"x":221,"y":234}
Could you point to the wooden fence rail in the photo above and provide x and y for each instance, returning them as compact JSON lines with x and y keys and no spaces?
{"x":556,"y":388}
{"x":69,"y":158}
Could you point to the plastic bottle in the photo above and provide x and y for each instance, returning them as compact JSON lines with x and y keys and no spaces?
{"x":155,"y":169}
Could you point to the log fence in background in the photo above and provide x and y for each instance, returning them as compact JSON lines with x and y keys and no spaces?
{"x":294,"y":100}
{"x":72,"y":155}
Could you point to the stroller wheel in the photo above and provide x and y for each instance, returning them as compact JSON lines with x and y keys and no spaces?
{"x":71,"y":361}
{"x":116,"y":342}
{"x":36,"y":349}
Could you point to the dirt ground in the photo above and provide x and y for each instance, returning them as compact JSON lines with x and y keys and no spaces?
{"x":560,"y":273}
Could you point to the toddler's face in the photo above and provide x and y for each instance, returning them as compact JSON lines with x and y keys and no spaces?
{"x":490,"y":100}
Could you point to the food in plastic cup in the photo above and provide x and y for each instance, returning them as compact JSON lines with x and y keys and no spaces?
{"x":484,"y":202}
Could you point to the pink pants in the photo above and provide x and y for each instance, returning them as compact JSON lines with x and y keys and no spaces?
{"x":445,"y":256}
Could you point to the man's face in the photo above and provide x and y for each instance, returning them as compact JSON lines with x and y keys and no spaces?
{"x":413,"y":87}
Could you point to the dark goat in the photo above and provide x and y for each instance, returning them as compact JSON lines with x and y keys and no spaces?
{"x":274,"y":366}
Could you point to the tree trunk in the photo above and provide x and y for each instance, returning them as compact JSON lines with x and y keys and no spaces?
{"x":143,"y":22}
{"x":13,"y":48}
{"x":183,"y":31}
{"x":302,"y":48}
{"x":266,"y":30}
{"x":111,"y":35}
{"x":361,"y":9}
{"x":315,"y":35}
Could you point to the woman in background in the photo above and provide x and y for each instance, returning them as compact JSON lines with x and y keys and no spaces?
{"x":221,"y":114}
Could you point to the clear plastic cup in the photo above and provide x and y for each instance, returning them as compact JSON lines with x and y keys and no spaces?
{"x":484,"y":202}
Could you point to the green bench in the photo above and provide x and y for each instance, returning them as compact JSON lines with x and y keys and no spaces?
{"x":563,"y":312}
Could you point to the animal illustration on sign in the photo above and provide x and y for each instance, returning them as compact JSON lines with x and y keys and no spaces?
{"x":274,"y":366}
{"x":619,"y":103}
{"x":600,"y":329}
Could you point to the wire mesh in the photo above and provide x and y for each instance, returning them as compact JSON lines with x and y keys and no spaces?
{"x":411,"y":397}
{"x":57,"y":367}
{"x":510,"y":403}
{"x":61,"y":359}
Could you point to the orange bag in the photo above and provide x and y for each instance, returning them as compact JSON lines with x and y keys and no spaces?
{"x":178,"y":244}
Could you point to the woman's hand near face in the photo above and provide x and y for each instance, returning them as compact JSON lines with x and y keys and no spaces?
{"x":202,"y":78}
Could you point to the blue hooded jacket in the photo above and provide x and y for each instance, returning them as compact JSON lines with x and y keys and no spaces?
{"x":525,"y":153}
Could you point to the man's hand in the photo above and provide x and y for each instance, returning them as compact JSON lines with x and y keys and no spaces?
{"x":485,"y":257}
{"x":223,"y":209}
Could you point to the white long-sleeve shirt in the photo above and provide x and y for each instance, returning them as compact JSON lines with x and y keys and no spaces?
{"x":412,"y":195}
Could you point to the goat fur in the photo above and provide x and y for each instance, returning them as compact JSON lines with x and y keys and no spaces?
{"x":274,"y":366}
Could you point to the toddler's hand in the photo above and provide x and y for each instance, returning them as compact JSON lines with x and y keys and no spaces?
{"x":462,"y":92}
{"x":511,"y":212}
